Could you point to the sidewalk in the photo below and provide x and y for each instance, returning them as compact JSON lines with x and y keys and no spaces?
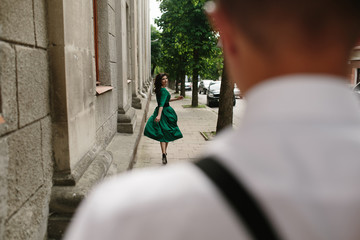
{"x":191,"y":122}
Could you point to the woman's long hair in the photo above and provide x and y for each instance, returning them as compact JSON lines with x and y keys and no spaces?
{"x":158,"y":84}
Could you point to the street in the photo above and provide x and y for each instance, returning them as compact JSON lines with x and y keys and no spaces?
{"x":191,"y":122}
{"x":238,"y":109}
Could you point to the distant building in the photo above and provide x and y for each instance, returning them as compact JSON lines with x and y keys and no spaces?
{"x":72,"y":74}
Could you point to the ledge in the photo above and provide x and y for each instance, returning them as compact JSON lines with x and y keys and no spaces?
{"x":70,"y":178}
{"x":103,"y":89}
{"x":65,"y":199}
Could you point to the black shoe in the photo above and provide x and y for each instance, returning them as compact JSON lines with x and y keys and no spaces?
{"x":164,"y":159}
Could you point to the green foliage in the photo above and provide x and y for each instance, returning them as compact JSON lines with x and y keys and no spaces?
{"x":188,"y":44}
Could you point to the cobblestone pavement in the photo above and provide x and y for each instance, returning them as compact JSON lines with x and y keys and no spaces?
{"x":191,"y":122}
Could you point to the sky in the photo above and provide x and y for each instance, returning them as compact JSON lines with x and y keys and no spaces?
{"x":154,"y":11}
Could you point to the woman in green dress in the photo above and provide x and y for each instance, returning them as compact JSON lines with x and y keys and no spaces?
{"x":162,"y":125}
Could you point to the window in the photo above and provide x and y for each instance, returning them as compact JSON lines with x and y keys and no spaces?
{"x":99,"y":87}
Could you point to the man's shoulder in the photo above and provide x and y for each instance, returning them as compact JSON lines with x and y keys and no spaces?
{"x":174,"y":196}
{"x":147,"y":188}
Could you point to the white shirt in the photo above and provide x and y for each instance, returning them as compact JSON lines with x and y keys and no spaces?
{"x":297,"y":150}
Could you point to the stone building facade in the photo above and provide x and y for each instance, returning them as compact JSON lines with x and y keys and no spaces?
{"x":72,"y":74}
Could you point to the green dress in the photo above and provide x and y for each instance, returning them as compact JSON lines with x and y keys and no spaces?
{"x":167,"y":129}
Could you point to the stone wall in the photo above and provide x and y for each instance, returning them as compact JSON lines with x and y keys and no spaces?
{"x":86,"y":118}
{"x":25,"y":137}
{"x":106,"y":104}
{"x":55,"y":122}
{"x":71,"y":52}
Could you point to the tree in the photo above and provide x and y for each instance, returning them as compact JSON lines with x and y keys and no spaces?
{"x":225,"y":115}
{"x":212,"y":66}
{"x":187,"y":39}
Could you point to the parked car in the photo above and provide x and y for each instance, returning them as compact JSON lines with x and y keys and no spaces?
{"x":204,"y":85}
{"x":213,"y":95}
{"x":237,"y":92}
{"x":188,"y":86}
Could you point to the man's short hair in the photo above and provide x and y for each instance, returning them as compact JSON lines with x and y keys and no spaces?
{"x":314,"y":19}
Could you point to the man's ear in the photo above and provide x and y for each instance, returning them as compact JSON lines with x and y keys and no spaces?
{"x":221,"y":23}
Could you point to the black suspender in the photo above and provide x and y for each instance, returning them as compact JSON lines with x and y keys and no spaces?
{"x":246,"y":208}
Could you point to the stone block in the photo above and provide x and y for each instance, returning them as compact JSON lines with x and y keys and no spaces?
{"x":82,"y":135}
{"x":104,"y":108}
{"x":113,"y":73}
{"x":8,"y":88}
{"x":65,"y":199}
{"x":46,"y":148}
{"x":30,"y":222}
{"x":102,"y":9}
{"x":57,"y":226}
{"x":111,"y":3}
{"x":40,"y":23}
{"x":17,"y":21}
{"x":61,"y":147}
{"x":80,"y":80}
{"x":126,"y":123}
{"x":103,"y":42}
{"x":80,"y":84}
{"x":55,"y":18}
{"x":78,"y":23}
{"x":106,"y":131}
{"x":25,"y":171}
{"x":4,"y":161}
{"x":136,"y":102}
{"x":112,"y":48}
{"x":111,"y":19}
{"x":33,"y":84}
{"x":58,"y":83}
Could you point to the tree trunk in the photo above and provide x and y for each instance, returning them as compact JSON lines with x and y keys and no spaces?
{"x":195,"y":79}
{"x":177,"y":83}
{"x":182,"y":83}
{"x":225,"y":115}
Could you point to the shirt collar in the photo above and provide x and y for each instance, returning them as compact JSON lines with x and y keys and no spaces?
{"x":302,"y":98}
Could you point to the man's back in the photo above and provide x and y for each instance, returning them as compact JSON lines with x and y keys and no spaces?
{"x":296,"y":151}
